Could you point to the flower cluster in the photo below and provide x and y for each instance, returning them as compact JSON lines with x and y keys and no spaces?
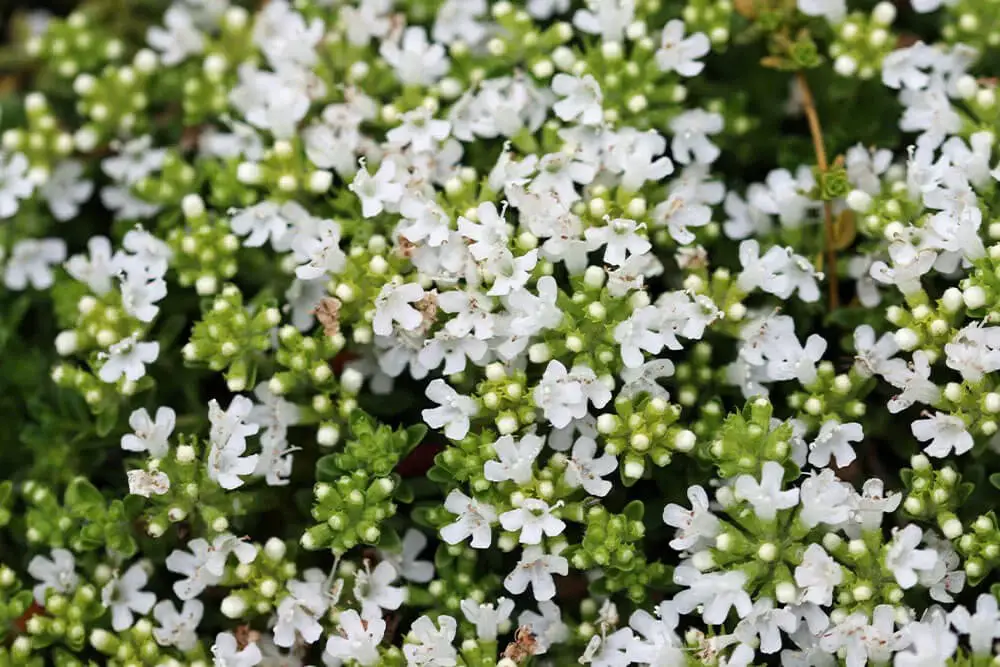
{"x":463,"y":333}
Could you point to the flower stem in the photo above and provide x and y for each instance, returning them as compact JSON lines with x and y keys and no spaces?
{"x":809,"y":106}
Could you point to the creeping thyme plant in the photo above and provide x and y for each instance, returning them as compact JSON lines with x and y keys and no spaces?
{"x":460,"y":333}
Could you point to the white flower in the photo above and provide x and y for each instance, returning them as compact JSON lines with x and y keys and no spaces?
{"x":533,"y":519}
{"x":432,"y":646}
{"x":234,"y":425}
{"x":128,"y":357}
{"x":766,"y":495}
{"x":31,"y":262}
{"x":818,"y":575}
{"x":271,"y":101}
{"x":124,"y":595}
{"x":419,"y":130}
{"x":299,"y":612}
{"x":415,"y":60}
{"x":581,"y":98}
{"x":825,"y":499}
{"x":833,"y":11}
{"x":945,"y":432}
{"x":490,"y":620}
{"x":15,"y":183}
{"x":178,"y":38}
{"x":536,"y":569}
{"x":406,"y":563}
{"x":98,"y":270}
{"x":393,"y":305}
{"x":516,"y":459}
{"x":765,"y":622}
{"x":66,"y":189}
{"x":375,"y":192}
{"x":607,"y":18}
{"x":195,"y":567}
{"x":871,"y":357}
{"x":150,"y":435}
{"x":454,"y":410}
{"x":358,"y":640}
{"x":563,"y":395}
{"x":585,"y":469}
{"x":226,"y":463}
{"x":145,"y":484}
{"x":869,"y":507}
{"x":374,"y":589}
{"x":474,"y":520}
{"x":547,"y":627}
{"x":765,"y":272}
{"x":226,"y":652}
{"x":905,"y":560}
{"x":56,"y":573}
{"x":983,"y":627}
{"x":680,"y":54}
{"x":178,"y":629}
{"x":660,"y":645}
{"x":265,"y":221}
{"x":691,"y":131}
{"x":931,"y":641}
{"x":834,"y":440}
{"x":716,"y":593}
{"x":620,"y":238}
{"x":319,"y":251}
{"x":697,"y":527}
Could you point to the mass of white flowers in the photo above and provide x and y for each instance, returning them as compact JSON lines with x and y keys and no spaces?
{"x":460,"y":333}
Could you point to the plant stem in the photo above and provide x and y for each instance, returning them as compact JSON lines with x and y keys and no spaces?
{"x":809,"y":106}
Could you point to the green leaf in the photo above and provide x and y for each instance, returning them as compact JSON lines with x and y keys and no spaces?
{"x":327,"y":470}
{"x":634,"y":510}
{"x":83,"y":500}
{"x":995,"y":479}
{"x":389,"y":540}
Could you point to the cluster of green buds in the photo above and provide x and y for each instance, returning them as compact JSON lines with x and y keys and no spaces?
{"x":613,"y":543}
{"x":231,"y":336}
{"x":64,"y":619}
{"x":505,"y":399}
{"x":746,"y":440}
{"x":867,"y":581}
{"x":355,"y":488}
{"x":206,"y":89}
{"x":935,"y":495}
{"x":641,"y":428}
{"x":862,"y":41}
{"x":84,"y":521}
{"x":586,"y":334}
{"x":257,"y":586}
{"x":458,"y":576}
{"x":286,"y":170}
{"x":965,"y":23}
{"x":42,"y":140}
{"x":115,"y":101}
{"x":175,"y":179}
{"x":76,"y":44}
{"x":371,"y":265}
{"x":980,"y":547}
{"x":520,"y":42}
{"x":191,"y":497}
{"x":695,"y":375}
{"x":926,"y":326}
{"x":981,"y":289}
{"x":831,"y":395}
{"x":15,"y":604}
{"x":308,"y":360}
{"x":712,"y":17}
{"x":204,"y":249}
{"x":976,"y":403}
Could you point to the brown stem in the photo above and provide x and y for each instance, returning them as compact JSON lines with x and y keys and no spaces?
{"x":809,"y":106}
